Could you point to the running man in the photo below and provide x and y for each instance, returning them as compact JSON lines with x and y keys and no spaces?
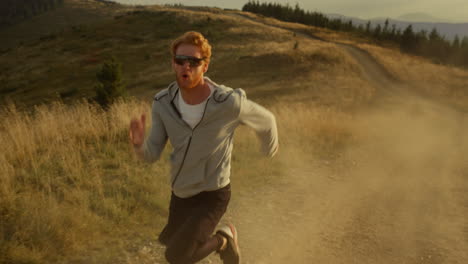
{"x":199,"y":117}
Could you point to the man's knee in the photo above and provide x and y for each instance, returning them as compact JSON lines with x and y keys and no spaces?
{"x":177,"y":257}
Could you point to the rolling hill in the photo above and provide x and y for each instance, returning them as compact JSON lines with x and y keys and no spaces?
{"x":372,"y":163}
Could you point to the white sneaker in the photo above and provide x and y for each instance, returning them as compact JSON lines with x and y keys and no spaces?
{"x":231,"y":254}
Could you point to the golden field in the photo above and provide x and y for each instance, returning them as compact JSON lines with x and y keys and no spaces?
{"x":71,"y":191}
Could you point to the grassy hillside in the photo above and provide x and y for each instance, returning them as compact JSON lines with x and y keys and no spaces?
{"x":71,"y":190}
{"x":62,"y":64}
{"x":245,"y":54}
{"x":45,"y":25}
{"x":439,"y":82}
{"x":443,"y":83}
{"x":12,"y":12}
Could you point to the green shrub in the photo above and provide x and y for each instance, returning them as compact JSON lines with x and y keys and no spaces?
{"x":111,"y":85}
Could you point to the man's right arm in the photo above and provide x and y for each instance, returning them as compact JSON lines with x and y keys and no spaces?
{"x":155,"y":142}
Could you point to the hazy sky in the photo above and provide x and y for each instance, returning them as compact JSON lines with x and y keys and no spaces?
{"x":454,"y":10}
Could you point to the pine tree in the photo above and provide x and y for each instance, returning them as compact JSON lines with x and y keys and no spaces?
{"x":377,"y":34}
{"x":408,"y":40}
{"x":438,"y":47}
{"x":464,"y":51}
{"x":434,"y":36}
{"x":110,"y":86}
{"x":368,"y":27}
{"x":394,"y":34}
{"x":386,"y":30}
{"x":456,"y":43}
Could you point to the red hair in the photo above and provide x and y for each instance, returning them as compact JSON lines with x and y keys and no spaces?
{"x":196,"y":39}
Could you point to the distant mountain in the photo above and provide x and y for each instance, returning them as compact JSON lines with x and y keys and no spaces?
{"x":423,"y":17}
{"x":449,"y":30}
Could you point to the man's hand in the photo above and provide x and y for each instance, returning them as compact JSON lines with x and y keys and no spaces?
{"x":137,"y":131}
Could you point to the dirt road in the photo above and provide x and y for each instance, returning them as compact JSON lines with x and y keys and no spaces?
{"x":401,"y":196}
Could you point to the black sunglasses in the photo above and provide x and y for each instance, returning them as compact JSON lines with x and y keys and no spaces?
{"x":193,"y":61}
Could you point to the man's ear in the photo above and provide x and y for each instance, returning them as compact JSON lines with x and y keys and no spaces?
{"x":205,"y":67}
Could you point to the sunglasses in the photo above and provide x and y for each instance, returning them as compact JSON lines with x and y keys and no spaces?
{"x":193,"y":61}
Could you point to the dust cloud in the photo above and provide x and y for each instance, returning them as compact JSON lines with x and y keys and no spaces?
{"x":400,"y":195}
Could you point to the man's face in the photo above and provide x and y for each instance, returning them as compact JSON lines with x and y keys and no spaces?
{"x":188,"y":73}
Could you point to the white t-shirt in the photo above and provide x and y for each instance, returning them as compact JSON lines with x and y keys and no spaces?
{"x":192,"y":114}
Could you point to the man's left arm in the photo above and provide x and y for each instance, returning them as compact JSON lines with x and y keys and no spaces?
{"x":263,"y":122}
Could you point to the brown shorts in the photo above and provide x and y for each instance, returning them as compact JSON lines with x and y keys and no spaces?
{"x":192,"y":221}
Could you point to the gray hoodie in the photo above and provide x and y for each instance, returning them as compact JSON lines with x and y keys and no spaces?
{"x":201,"y":159}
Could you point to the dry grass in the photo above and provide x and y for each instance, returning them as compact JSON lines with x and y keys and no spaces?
{"x":447,"y":83}
{"x":69,"y":183}
{"x":68,"y":176}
